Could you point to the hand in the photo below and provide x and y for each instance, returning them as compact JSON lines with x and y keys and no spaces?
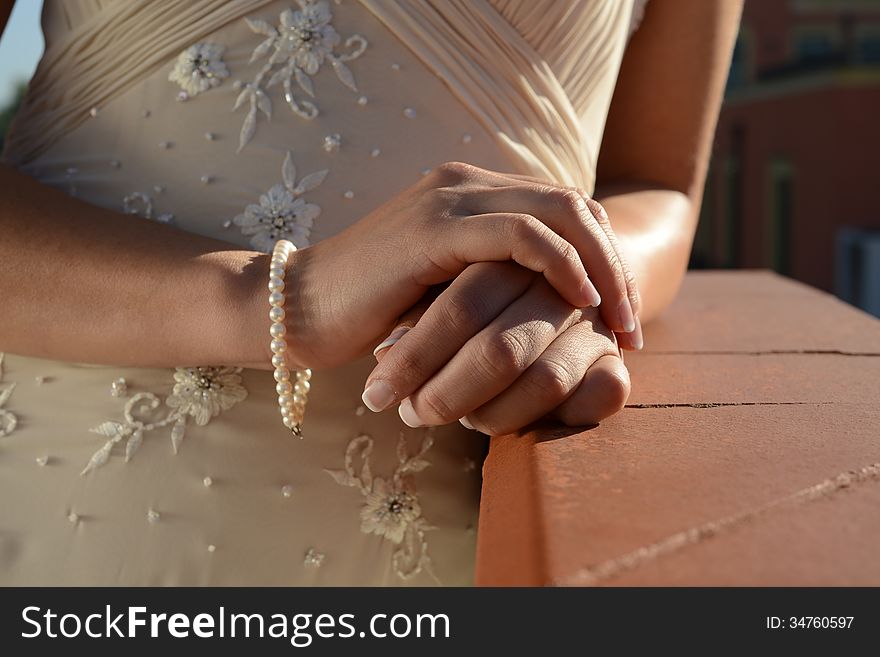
{"x":500,"y":349}
{"x":348,"y":290}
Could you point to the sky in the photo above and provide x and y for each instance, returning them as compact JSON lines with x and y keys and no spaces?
{"x":20,"y":46}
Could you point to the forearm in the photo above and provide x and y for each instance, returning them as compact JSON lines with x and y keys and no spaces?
{"x":85,"y":284}
{"x":655,"y":228}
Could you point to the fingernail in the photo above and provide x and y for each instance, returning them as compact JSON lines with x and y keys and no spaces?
{"x":393,"y":337}
{"x":378,"y":396}
{"x":625,"y":312}
{"x":590,"y":294}
{"x":638,"y":341}
{"x":408,"y":414}
{"x":464,"y":422}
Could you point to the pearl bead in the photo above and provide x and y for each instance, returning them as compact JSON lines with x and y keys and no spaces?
{"x":206,"y":180}
{"x":298,"y":399}
{"x":276,"y":284}
{"x":158,"y":189}
{"x":278,"y":360}
{"x":210,"y":136}
{"x":289,"y":422}
{"x":466,"y":138}
{"x":278,"y":346}
{"x":282,"y":374}
{"x":212,"y":548}
{"x":165,"y":145}
{"x":42,"y":460}
{"x":93,"y":112}
{"x":395,"y":67}
{"x":276,"y":299}
{"x":302,"y":387}
{"x":73,"y":517}
{"x":286,"y":400}
{"x":153,"y":515}
{"x":348,"y":194}
{"x":276,"y":314}
{"x":276,"y":271}
{"x":362,"y":101}
{"x":284,"y":388}
{"x":207,"y":482}
{"x":409,"y":112}
{"x":375,"y":152}
{"x":287,"y":491}
{"x":227,"y":223}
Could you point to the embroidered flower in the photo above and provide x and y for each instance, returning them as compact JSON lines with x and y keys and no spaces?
{"x":199,"y":392}
{"x":8,"y":421}
{"x":388,"y":510}
{"x":296,"y":49}
{"x":391,"y":507}
{"x":306,"y":36}
{"x":281,"y":212}
{"x":199,"y":68}
{"x":203,"y":392}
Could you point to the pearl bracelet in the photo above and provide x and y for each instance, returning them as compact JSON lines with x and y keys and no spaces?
{"x":291,"y":396}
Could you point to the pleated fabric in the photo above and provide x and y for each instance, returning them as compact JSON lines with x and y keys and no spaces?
{"x":538,"y":74}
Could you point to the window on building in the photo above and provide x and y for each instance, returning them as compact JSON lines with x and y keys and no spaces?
{"x":779,"y":233}
{"x":868,"y":43}
{"x":818,"y":43}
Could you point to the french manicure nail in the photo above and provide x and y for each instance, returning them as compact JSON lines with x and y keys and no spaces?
{"x":627,"y":320}
{"x":393,"y":337}
{"x":638,"y":341}
{"x":408,"y":414}
{"x":465,"y":423}
{"x":590,"y":294}
{"x":378,"y":396}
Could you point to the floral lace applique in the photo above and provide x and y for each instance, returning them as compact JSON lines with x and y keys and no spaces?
{"x":141,"y":204}
{"x":8,"y":421}
{"x":299,"y":46}
{"x":199,"y":392}
{"x":199,"y":68}
{"x":281,"y":212}
{"x":391,"y":507}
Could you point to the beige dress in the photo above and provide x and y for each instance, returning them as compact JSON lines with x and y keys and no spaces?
{"x":186,"y":113}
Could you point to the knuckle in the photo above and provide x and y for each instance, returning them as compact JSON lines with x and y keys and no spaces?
{"x":453,"y":173}
{"x":407,"y":363}
{"x":500,"y":355}
{"x":433,"y":399}
{"x":570,"y":202}
{"x":550,"y":380}
{"x":460,"y":311}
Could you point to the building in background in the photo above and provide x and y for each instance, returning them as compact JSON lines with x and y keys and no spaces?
{"x":794,"y":183}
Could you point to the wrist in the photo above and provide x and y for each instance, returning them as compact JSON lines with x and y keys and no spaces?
{"x":240,"y":328}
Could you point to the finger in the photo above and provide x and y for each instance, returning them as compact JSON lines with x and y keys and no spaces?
{"x":601,"y":216}
{"x":518,"y":237}
{"x":632,"y":288}
{"x":407,"y":320}
{"x":479,"y":294}
{"x":568,"y":214}
{"x":602,"y":393}
{"x":550,"y":380}
{"x":632,"y":341}
{"x":492,"y":360}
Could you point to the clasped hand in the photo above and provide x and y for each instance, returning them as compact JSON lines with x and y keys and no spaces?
{"x":479,"y":281}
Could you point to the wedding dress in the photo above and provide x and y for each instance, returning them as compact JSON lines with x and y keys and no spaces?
{"x":248,"y":121}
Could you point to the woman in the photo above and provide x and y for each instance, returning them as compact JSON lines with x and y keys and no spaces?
{"x":162,"y":150}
